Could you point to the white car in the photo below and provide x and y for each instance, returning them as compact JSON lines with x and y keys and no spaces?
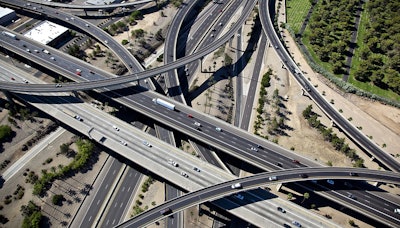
{"x":237,"y":185}
{"x":146,"y":143}
{"x":254,"y":148}
{"x":115,"y":128}
{"x":170,"y":161}
{"x":218,"y":129}
{"x":184,"y":174}
{"x":397,"y":210}
{"x":331,"y":182}
{"x":197,"y":124}
{"x":123,"y":143}
{"x":273,"y":178}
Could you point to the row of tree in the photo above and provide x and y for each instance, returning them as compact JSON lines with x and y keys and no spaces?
{"x":85,"y":149}
{"x":338,"y":143}
{"x":380,"y":52}
{"x":332,"y":25}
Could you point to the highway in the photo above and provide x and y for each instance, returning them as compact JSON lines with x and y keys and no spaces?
{"x":266,"y":13}
{"x":98,"y":126}
{"x":258,"y":180}
{"x":355,"y":134}
{"x":231,"y":140}
{"x":47,"y":88}
{"x":89,"y":7}
{"x":76,"y":22}
{"x":63,"y":86}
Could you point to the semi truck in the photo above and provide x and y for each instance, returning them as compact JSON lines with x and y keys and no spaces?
{"x":9,"y":34}
{"x":164,"y":103}
{"x":71,"y":114}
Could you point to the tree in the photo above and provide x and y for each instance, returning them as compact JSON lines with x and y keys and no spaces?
{"x":289,"y":196}
{"x":64,"y":148}
{"x":306,"y":195}
{"x":57,"y":199}
{"x":5,"y":132}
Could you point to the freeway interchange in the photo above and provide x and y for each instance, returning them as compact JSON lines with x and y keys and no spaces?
{"x":244,"y":142}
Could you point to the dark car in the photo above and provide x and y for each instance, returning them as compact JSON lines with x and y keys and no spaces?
{"x":295,"y":161}
{"x":353,"y":174}
{"x":303,"y":175}
{"x":166,"y":211}
{"x":281,"y":209}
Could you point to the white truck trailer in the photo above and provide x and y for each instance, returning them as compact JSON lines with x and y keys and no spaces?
{"x":9,"y":34}
{"x":164,"y":103}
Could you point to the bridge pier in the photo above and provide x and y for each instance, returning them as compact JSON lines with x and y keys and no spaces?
{"x":278,"y":187}
{"x":8,"y":96}
{"x":201,"y":64}
{"x":76,"y":94}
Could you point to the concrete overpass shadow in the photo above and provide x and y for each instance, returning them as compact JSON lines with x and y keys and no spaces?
{"x":250,"y":196}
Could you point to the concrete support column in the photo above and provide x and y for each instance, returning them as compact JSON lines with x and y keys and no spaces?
{"x":8,"y":96}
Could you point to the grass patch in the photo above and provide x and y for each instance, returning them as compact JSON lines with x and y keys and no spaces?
{"x":296,"y":12}
{"x":306,"y":41}
{"x":367,"y":86}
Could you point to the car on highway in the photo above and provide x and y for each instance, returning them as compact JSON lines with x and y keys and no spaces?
{"x":254,"y":148}
{"x":87,"y":25}
{"x":237,"y":185}
{"x":353,"y":174}
{"x":91,"y":72}
{"x":28,"y":50}
{"x":78,"y":72}
{"x":272,"y":178}
{"x":296,"y":223}
{"x":123,"y":143}
{"x":58,"y":85}
{"x":396,"y":210}
{"x":197,"y":124}
{"x":279,"y":164}
{"x":52,"y":58}
{"x":146,"y":143}
{"x":184,"y":174}
{"x":303,"y":175}
{"x":190,"y":115}
{"x":295,"y":161}
{"x":281,"y":209}
{"x":78,"y":118}
{"x":170,"y":161}
{"x":218,"y":129}
{"x":351,"y":196}
{"x":166,"y":211}
{"x":196,"y":169}
{"x":24,"y":80}
{"x":12,"y":78}
{"x":115,"y":128}
{"x":239,"y":196}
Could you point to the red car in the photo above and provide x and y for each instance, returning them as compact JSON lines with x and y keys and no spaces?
{"x":190,"y":116}
{"x":295,"y":161}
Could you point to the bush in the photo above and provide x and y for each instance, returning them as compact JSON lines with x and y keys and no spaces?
{"x":57,"y":199}
{"x":124,"y":42}
{"x":5,"y":132}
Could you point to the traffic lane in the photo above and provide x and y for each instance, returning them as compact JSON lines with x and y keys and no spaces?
{"x":248,"y":182}
{"x":119,"y":205}
{"x":182,"y":120}
{"x":100,"y":195}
